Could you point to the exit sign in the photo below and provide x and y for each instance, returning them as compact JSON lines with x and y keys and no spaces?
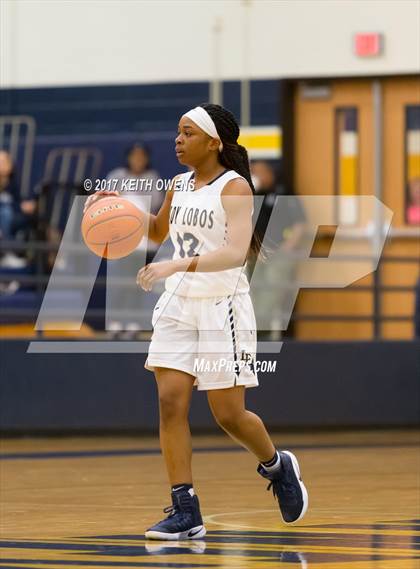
{"x":368,"y":45}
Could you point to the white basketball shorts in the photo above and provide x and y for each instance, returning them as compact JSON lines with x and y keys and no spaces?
{"x":213,"y":339}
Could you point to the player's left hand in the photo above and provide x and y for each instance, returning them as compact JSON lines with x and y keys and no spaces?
{"x":149,"y":274}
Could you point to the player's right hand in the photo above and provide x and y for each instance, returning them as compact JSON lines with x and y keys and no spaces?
{"x":98,"y":195}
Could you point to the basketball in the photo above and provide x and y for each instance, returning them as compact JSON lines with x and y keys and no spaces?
{"x":113,"y":227}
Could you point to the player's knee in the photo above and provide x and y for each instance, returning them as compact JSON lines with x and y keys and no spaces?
{"x":171,"y":407}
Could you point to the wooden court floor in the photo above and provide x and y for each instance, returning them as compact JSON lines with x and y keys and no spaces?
{"x":85,"y":502}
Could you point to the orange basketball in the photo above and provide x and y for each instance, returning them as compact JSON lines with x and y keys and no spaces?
{"x":113,"y":227}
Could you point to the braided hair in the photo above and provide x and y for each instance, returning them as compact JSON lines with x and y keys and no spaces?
{"x":233,"y":156}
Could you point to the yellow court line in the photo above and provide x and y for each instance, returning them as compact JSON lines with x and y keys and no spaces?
{"x":210,"y":519}
{"x":293,"y":532}
{"x":45,"y":555}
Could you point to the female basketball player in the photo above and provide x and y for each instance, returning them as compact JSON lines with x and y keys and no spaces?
{"x":205,"y":316}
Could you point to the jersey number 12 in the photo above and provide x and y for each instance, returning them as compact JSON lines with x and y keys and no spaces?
{"x":190,"y":241}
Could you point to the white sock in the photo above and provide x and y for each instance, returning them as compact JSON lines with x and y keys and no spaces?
{"x":275,"y":466}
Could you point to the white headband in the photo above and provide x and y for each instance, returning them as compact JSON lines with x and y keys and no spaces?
{"x":203,"y":120}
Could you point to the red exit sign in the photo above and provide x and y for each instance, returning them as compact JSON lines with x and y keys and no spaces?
{"x":368,"y":45}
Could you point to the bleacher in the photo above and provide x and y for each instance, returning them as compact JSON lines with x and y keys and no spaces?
{"x":83,"y":132}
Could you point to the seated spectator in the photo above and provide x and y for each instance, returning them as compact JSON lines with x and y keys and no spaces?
{"x":138,"y":168}
{"x":147,"y":198}
{"x":15,"y":214}
{"x":273,"y":282}
{"x":292,"y":221}
{"x":413,"y":209}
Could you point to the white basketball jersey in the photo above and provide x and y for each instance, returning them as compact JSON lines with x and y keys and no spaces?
{"x":197,"y":225}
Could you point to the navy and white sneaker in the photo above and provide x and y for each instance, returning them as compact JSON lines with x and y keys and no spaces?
{"x":287,"y":487}
{"x":294,"y":557}
{"x":184,"y":520}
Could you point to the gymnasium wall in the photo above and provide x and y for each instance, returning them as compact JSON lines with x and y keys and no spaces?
{"x":315,"y":384}
{"x":114,"y":42}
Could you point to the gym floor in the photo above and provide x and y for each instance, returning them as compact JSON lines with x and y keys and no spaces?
{"x":85,"y":502}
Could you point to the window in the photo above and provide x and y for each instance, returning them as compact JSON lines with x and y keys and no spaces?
{"x":346,"y":160}
{"x":412,"y":165}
